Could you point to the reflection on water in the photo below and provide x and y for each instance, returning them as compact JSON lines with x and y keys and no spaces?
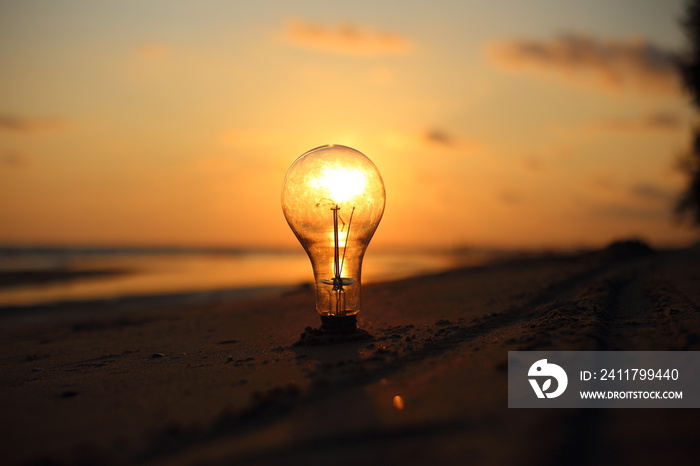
{"x":32,"y":276}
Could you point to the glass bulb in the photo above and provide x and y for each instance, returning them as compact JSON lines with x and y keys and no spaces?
{"x":333,"y":199}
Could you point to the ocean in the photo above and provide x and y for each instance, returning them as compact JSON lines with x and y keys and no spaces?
{"x":32,"y":276}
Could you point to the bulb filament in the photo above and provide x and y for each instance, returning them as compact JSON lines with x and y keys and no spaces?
{"x":338,"y":281}
{"x":338,"y":262}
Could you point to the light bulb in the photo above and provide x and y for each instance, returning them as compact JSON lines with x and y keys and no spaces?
{"x":333,"y":199}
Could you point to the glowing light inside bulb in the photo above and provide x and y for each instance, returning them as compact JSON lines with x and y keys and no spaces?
{"x":341,"y":184}
{"x":342,"y":238}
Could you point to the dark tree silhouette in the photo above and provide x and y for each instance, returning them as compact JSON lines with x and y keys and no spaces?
{"x":688,"y":206}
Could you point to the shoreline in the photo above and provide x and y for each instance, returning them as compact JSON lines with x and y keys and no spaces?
{"x":42,"y":276}
{"x":57,"y":312}
{"x":134,"y":301}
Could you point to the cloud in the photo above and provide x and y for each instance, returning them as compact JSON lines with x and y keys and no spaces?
{"x":658,"y":121}
{"x":29,"y":125}
{"x":623,"y":211}
{"x":613,"y":65}
{"x":345,"y":38}
{"x":651,"y":192}
{"x":13,"y":159}
{"x":440,"y":138}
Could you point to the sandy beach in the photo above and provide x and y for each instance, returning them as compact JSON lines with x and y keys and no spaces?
{"x":217,"y":379}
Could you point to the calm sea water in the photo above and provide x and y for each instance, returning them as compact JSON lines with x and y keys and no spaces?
{"x":30,"y":276}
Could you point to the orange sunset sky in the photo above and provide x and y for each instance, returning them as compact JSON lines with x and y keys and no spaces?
{"x":546,"y":123}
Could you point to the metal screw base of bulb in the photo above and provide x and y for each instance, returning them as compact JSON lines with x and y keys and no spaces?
{"x":339,"y":324}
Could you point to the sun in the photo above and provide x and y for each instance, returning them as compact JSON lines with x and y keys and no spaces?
{"x":340,"y":184}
